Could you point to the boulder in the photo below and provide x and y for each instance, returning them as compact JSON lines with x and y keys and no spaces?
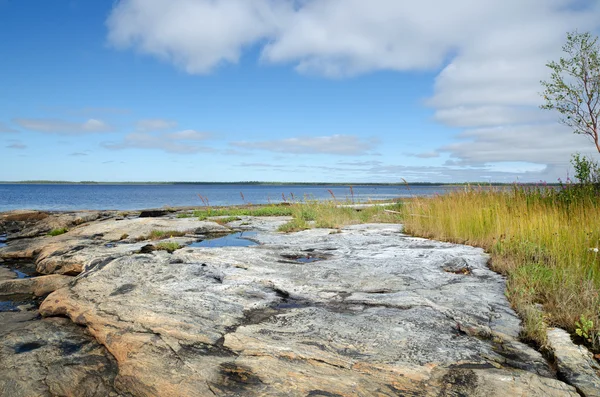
{"x":38,"y":286}
{"x":575,"y":363}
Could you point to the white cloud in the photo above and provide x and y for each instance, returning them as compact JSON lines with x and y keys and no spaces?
{"x":164,"y":142}
{"x":548,"y":144}
{"x":347,"y":145}
{"x":56,"y":126}
{"x":340,"y":37}
{"x":197,"y":35}
{"x":188,"y":135}
{"x":425,"y":155}
{"x":149,"y":125}
{"x":490,"y":56}
{"x":485,"y":116}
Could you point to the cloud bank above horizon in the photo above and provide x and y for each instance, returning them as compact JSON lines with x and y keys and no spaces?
{"x":489,"y":57}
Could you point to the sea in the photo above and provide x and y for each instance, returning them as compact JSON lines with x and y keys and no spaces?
{"x":68,"y":197}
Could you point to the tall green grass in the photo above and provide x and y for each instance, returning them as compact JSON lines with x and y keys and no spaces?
{"x":266,"y":210}
{"x":545,"y":240}
{"x":333,"y":215}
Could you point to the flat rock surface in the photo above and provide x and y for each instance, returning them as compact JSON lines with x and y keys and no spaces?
{"x":52,"y":357}
{"x":366,"y":311}
{"x":86,"y":242}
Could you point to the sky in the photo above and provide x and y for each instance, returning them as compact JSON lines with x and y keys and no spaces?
{"x":284,"y":90}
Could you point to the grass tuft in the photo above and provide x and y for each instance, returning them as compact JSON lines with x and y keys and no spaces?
{"x":226,"y":220}
{"x":58,"y":232}
{"x":169,"y":246}
{"x":163,"y":234}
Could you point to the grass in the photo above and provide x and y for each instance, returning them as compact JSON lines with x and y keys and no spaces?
{"x":162,"y":234}
{"x":329,"y":214}
{"x":306,"y":214}
{"x":544,"y":240}
{"x":267,"y":210}
{"x":226,"y":220}
{"x":58,"y":232}
{"x":169,"y":246}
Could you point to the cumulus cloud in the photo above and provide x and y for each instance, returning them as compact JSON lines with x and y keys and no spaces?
{"x":347,"y":145}
{"x":149,"y":125}
{"x":340,"y":37}
{"x":195,"y":35}
{"x":489,"y":57}
{"x":57,"y":126}
{"x":170,"y":143}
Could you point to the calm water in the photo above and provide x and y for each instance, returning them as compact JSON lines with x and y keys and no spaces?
{"x":131,"y":197}
{"x":239,"y":239}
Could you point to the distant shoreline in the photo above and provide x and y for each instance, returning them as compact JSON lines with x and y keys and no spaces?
{"x":255,"y":183}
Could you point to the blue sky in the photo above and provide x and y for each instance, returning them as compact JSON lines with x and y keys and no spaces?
{"x":275,"y":90}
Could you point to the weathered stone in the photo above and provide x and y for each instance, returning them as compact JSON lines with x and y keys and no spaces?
{"x":38,"y":286}
{"x":38,"y":223}
{"x":6,"y":273}
{"x":23,"y":249}
{"x":140,"y":228}
{"x":52,"y":357}
{"x":575,"y":363}
{"x":73,"y":251}
{"x":23,"y":216}
{"x":378,"y":315}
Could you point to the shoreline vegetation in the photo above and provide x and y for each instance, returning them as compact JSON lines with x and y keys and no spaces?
{"x":259,"y":183}
{"x":543,"y":239}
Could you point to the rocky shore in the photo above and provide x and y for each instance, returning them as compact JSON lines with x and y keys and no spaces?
{"x":360,"y":311}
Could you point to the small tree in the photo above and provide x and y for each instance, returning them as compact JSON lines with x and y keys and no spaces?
{"x":574,"y":86}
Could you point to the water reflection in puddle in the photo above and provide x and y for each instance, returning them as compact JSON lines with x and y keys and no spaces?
{"x":20,"y":274}
{"x":308,"y":259}
{"x":23,"y":271}
{"x":2,"y":240}
{"x":8,"y":306}
{"x":232,"y":240}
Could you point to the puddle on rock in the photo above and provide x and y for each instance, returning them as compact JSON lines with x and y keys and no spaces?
{"x":304,"y":258}
{"x":3,"y":240}
{"x":21,"y":269}
{"x":239,"y":239}
{"x":11,"y":303}
{"x":20,"y":274}
{"x":308,"y":259}
{"x":8,"y":306}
